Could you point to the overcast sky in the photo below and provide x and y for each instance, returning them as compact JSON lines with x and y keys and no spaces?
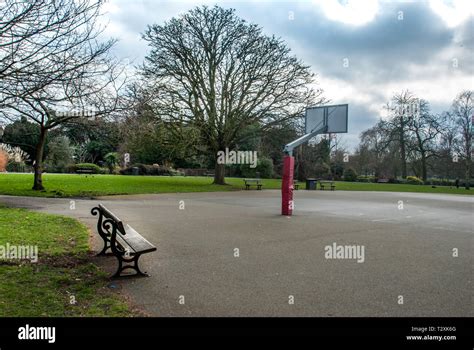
{"x":362,"y":51}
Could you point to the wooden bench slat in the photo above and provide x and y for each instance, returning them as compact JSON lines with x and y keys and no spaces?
{"x":136,"y":241}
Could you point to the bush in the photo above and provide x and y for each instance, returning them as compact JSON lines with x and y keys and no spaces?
{"x":337,"y":171}
{"x":322,"y":171}
{"x":144,"y":169}
{"x":111,"y":160}
{"x":368,"y":178}
{"x":413,"y":180}
{"x":462,"y":183}
{"x":59,"y":155}
{"x":441,"y":182}
{"x":18,"y":168}
{"x":452,"y":183}
{"x":84,"y":166}
{"x":116,"y":170}
{"x":264,"y":167}
{"x":57,"y":169}
{"x":177,"y":172}
{"x":350,"y":175}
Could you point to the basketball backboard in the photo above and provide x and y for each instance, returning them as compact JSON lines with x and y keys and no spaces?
{"x":335,"y":117}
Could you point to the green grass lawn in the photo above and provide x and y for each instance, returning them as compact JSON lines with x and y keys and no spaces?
{"x":62,"y":271}
{"x":59,"y":185}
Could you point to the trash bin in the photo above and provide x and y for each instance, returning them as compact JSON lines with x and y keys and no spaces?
{"x":135,"y":170}
{"x":311,"y":184}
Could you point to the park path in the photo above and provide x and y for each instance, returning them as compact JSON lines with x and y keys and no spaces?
{"x":232,"y":254}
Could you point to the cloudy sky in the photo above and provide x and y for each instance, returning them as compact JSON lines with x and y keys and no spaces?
{"x":363,"y":51}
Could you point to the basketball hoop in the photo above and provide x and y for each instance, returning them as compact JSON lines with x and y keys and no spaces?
{"x":318,"y":120}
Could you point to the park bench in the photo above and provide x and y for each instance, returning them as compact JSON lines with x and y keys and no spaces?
{"x":253,"y":182}
{"x":323,"y":184}
{"x":125,"y":243}
{"x":296,"y":185}
{"x":382,"y":181}
{"x":84,"y":171}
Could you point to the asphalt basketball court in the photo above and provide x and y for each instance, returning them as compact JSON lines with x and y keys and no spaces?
{"x":233,"y":254}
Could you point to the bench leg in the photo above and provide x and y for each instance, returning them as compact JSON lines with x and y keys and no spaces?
{"x":135,"y":266}
{"x":106,"y":246}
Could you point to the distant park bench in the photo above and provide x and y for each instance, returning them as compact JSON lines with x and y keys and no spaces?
{"x":323,"y":184}
{"x":296,"y":185}
{"x":125,"y":243}
{"x":382,"y":181}
{"x":84,"y":171}
{"x":253,"y":182}
{"x":209,"y":174}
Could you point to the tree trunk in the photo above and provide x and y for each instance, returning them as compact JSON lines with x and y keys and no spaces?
{"x":38,"y":167}
{"x":219,"y":174}
{"x":424,"y":171}
{"x":468,"y":173}
{"x":402,"y":151}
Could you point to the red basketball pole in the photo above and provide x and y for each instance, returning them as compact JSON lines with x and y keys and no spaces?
{"x":287,"y":186}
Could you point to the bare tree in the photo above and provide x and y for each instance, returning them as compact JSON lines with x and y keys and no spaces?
{"x":424,"y":130}
{"x":376,"y":143}
{"x":64,"y":73}
{"x":397,"y":125}
{"x":32,"y":32}
{"x":462,"y":111}
{"x":220,"y":74}
{"x":447,"y":146}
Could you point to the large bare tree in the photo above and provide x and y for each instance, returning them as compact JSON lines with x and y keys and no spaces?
{"x":425,"y":129}
{"x":61,"y":74}
{"x":397,"y":126}
{"x":462,"y":111}
{"x":376,"y":144}
{"x":214,"y":71}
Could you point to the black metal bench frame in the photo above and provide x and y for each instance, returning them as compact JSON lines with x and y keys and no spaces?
{"x":322,"y":185}
{"x":108,"y":226}
{"x":252,"y":182}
